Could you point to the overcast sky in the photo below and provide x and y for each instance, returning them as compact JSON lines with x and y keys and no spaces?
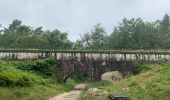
{"x":79,"y":16}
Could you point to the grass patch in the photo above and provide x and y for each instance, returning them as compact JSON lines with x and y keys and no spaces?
{"x":151,"y":83}
{"x":35,"y":92}
{"x":30,"y":80}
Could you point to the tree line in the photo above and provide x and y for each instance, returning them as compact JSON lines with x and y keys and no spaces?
{"x":21,"y":36}
{"x":130,"y":34}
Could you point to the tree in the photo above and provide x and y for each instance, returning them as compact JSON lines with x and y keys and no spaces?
{"x":1,"y":38}
{"x":78,"y":45}
{"x":129,"y":34}
{"x":126,"y":35}
{"x":165,"y":24}
{"x":134,"y":34}
{"x":95,"y":39}
{"x":59,"y":40}
{"x":15,"y":24}
{"x":165,"y":30}
{"x":21,"y":36}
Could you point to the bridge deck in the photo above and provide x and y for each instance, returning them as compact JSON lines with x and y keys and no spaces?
{"x":95,"y":54}
{"x":90,"y":51}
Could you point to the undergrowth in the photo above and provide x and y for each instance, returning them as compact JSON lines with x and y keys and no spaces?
{"x":152,"y":82}
{"x":30,"y":80}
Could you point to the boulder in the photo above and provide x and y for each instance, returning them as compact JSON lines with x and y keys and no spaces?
{"x":112,"y":77}
{"x":98,"y":94}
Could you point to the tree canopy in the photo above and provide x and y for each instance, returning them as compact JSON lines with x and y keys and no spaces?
{"x":131,"y":33}
{"x":21,"y":36}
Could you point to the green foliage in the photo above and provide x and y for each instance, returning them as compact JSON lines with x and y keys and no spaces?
{"x":26,"y":84}
{"x":19,"y":93}
{"x":165,"y":24}
{"x":132,"y":84}
{"x":129,"y":74}
{"x":21,"y":36}
{"x":44,"y":67}
{"x":9,"y":77}
{"x":26,"y":73}
{"x":78,"y":77}
{"x":151,"y":83}
{"x":140,"y":67}
{"x":24,"y":81}
{"x":94,"y":40}
{"x":70,"y":83}
{"x":130,"y":34}
{"x":135,"y":34}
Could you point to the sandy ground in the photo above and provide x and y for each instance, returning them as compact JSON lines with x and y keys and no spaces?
{"x":71,"y":95}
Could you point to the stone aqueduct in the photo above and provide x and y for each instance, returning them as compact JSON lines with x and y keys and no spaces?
{"x":90,"y":63}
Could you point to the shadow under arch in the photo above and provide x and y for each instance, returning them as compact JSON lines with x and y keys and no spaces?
{"x":78,"y":75}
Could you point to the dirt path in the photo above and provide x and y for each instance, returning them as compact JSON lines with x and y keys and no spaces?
{"x":71,"y":95}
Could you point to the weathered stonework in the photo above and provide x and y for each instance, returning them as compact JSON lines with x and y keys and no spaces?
{"x":91,"y":63}
{"x":115,"y":55}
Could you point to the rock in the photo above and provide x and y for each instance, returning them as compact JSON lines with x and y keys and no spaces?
{"x":92,"y":90}
{"x":112,"y":77}
{"x":105,"y":92}
{"x":95,"y":92}
{"x":125,"y":88}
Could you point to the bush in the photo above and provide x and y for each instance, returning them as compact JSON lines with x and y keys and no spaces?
{"x":23,"y":81}
{"x":70,"y":82}
{"x":11,"y":77}
{"x":44,"y":67}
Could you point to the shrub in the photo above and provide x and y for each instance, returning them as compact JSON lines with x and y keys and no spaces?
{"x":44,"y":67}
{"x":70,"y":83}
{"x":11,"y":77}
{"x":23,"y":81}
